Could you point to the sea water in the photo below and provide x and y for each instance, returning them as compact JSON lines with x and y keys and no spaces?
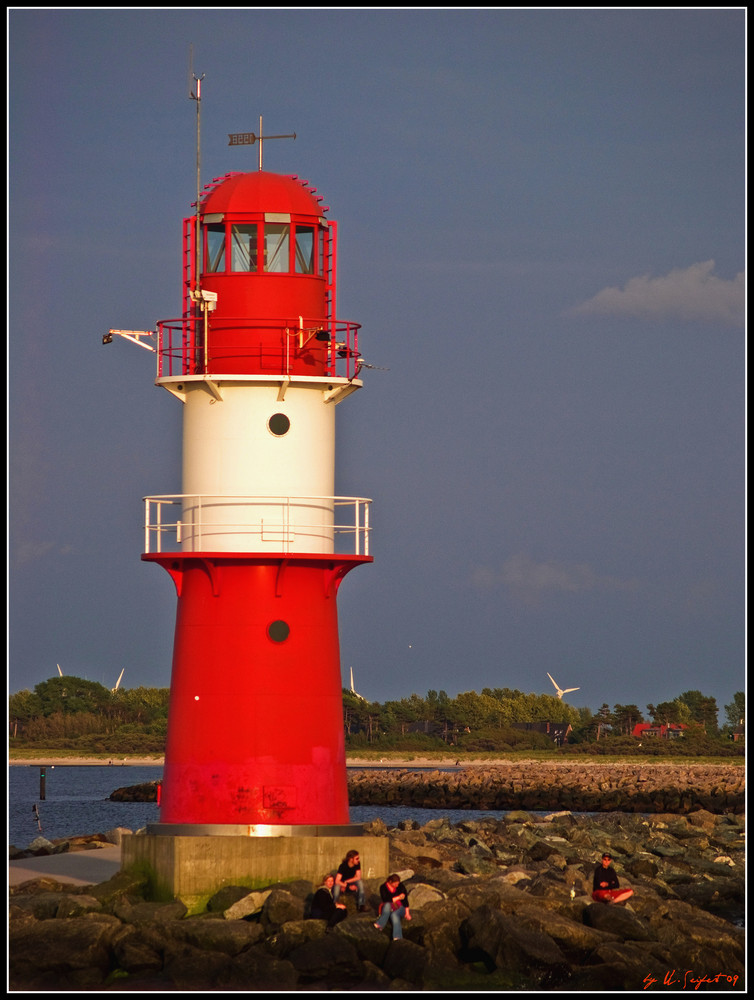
{"x":77,"y":803}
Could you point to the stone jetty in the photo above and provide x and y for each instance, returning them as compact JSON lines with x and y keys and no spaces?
{"x":496,"y":904}
{"x":544,"y":785}
{"x":538,"y":785}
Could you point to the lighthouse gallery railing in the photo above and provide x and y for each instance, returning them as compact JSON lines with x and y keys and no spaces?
{"x":168,"y":528}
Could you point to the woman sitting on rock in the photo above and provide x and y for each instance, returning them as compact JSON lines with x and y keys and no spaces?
{"x":324,"y":906}
{"x":606,"y":887}
{"x":394,"y":905}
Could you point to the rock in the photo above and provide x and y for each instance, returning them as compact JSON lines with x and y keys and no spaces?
{"x":421,"y":894}
{"x":503,"y":943}
{"x":225,"y":897}
{"x":134,"y":954}
{"x":256,"y":966}
{"x":116,"y":835}
{"x":565,"y":786}
{"x":370,"y":945}
{"x":191,"y":968}
{"x":247,"y":905}
{"x":280,"y":907}
{"x":59,"y":953}
{"x":618,"y":920}
{"x":142,"y":911}
{"x":292,"y":935}
{"x":331,"y":957}
{"x":76,"y":906}
{"x":519,"y":924}
{"x":39,"y":847}
{"x":405,"y":960}
{"x":145,"y":792}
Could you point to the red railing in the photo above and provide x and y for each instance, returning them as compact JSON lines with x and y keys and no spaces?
{"x":181,"y":350}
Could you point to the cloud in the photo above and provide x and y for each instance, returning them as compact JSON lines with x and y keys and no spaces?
{"x":694,"y":294}
{"x":527,"y":580}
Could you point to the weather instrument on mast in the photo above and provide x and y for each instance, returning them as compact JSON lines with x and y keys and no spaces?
{"x":249,"y":138}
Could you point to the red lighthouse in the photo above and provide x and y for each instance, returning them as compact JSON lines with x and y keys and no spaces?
{"x":257,"y":542}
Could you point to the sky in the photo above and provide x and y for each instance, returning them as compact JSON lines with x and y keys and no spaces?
{"x":541,"y":233}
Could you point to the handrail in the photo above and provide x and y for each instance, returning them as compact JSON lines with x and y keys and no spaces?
{"x":178,"y":353}
{"x":202,"y":518}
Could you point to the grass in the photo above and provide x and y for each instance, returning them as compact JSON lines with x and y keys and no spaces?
{"x":519,"y":756}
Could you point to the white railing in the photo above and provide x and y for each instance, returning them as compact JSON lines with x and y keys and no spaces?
{"x":190,"y":522}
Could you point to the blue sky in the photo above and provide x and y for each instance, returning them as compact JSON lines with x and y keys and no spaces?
{"x":541,"y":218}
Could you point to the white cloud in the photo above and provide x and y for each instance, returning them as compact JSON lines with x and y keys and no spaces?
{"x":528,"y":581}
{"x":693,"y":293}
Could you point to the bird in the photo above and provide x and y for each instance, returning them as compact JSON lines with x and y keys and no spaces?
{"x":560,"y":691}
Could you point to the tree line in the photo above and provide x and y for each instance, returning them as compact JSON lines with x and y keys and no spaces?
{"x":71,"y":713}
{"x":490,"y":721}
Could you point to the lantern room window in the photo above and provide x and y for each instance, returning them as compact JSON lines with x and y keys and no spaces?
{"x":243,"y":247}
{"x":304,"y":249}
{"x":214,"y":254}
{"x":276,"y":246}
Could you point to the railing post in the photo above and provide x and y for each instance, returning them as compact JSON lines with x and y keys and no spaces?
{"x":366,"y":528}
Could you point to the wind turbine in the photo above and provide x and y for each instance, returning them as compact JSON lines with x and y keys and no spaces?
{"x":59,"y":670}
{"x":352,"y":690}
{"x":117,"y":683}
{"x":560,"y":691}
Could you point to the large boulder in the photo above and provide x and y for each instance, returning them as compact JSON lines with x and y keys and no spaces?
{"x":63,"y":953}
{"x":502,"y":942}
{"x":331,"y":958}
{"x":280,"y":907}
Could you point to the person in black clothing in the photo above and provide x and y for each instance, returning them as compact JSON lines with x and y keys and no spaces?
{"x":348,"y":879}
{"x":394,"y":906}
{"x":324,"y":906}
{"x":606,"y":887}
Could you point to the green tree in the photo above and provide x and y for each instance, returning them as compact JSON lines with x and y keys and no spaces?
{"x":625,"y":717}
{"x":71,"y":695}
{"x":702,"y":708}
{"x":735,"y":712}
{"x":23,"y":706}
{"x":602,"y":721}
{"x":674,"y":712}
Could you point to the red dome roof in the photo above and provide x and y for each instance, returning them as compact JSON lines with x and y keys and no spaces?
{"x":261,"y":192}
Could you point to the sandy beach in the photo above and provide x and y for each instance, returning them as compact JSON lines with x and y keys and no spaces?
{"x":439,"y":762}
{"x":54,"y":760}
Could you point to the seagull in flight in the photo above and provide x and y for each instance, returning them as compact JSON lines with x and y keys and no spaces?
{"x":560,"y":691}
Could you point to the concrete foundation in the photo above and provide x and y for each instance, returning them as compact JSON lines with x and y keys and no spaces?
{"x":193,"y":866}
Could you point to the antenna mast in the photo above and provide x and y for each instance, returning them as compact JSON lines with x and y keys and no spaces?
{"x":196,"y":95}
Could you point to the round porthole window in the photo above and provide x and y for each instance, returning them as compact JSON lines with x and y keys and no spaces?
{"x":278,"y":631}
{"x":279,"y":424}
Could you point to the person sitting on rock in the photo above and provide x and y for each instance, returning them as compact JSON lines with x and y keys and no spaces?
{"x":606,"y":887}
{"x":324,"y":906}
{"x":348,"y":879}
{"x":394,"y":905}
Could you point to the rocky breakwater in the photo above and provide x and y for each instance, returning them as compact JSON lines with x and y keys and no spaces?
{"x":579,"y":787}
{"x":496,"y":904}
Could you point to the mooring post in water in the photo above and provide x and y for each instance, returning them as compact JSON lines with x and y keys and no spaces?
{"x":42,"y":777}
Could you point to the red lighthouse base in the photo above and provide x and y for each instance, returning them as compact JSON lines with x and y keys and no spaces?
{"x":255,"y":723}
